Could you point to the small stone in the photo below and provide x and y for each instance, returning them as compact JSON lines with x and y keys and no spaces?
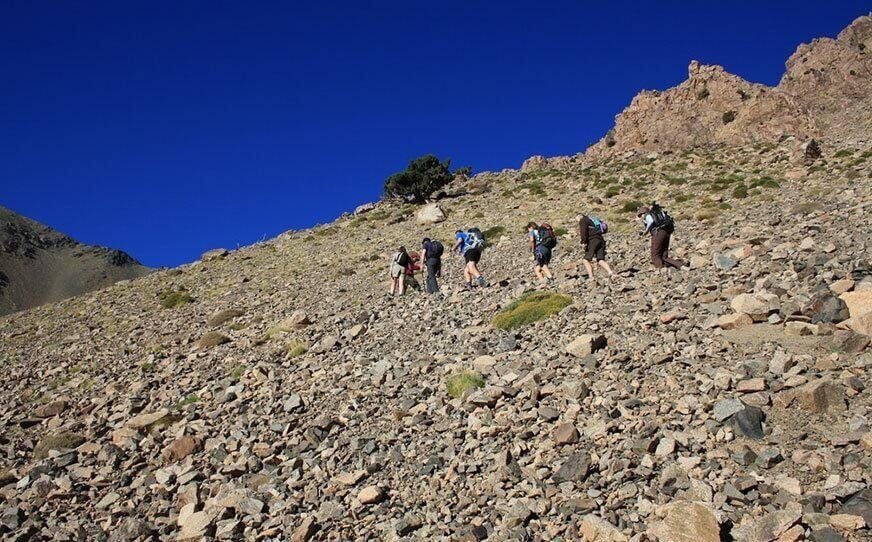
{"x":595,"y":529}
{"x":50,"y":410}
{"x":822,"y":396}
{"x":751,"y":385}
{"x":769,"y":457}
{"x":725,"y":408}
{"x":585,"y":345}
{"x":574,"y":469}
{"x":181,"y":448}
{"x":734,"y":321}
{"x":749,"y":422}
{"x":371,"y":495}
{"x":686,"y":522}
{"x":306,"y":530}
{"x":565,"y":434}
{"x":214,"y":255}
{"x":847,"y":522}
{"x":665,"y":447}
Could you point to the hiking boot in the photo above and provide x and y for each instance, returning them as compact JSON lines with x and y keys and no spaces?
{"x":469,"y":286}
{"x":480,"y":280}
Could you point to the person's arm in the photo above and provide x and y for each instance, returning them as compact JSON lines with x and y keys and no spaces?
{"x":649,"y":223}
{"x":458,"y":246}
{"x":583,"y":225}
{"x":532,"y":240}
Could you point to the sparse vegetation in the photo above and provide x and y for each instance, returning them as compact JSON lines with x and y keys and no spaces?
{"x":740,"y":191}
{"x":237,"y":373}
{"x":535,"y":188}
{"x":296,"y":349}
{"x":728,"y":117}
{"x":174,"y":298}
{"x":612,"y":191}
{"x":631,"y":206}
{"x":420,"y":179}
{"x":493,"y":233}
{"x":530,"y":308}
{"x":460,"y":383}
{"x":702,"y":94}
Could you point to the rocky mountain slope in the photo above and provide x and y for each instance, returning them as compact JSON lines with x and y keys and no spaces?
{"x":825,"y":93}
{"x":277,"y":393}
{"x":39,"y":265}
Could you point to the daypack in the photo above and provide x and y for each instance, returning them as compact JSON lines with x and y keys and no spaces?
{"x":662,"y":220}
{"x":401,"y":259}
{"x":435,"y":249}
{"x":474,"y":238}
{"x":546,"y":236}
{"x":599,"y":224}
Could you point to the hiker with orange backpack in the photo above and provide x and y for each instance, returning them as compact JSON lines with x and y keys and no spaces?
{"x":593,"y":242}
{"x":542,"y":241}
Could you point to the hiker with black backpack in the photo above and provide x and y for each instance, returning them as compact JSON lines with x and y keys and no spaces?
{"x":660,"y":226}
{"x":542,"y":240}
{"x":399,"y":261}
{"x":470,"y":244}
{"x":593,"y":242}
{"x":432,"y":257}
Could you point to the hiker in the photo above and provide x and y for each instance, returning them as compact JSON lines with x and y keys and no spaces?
{"x":542,"y":240}
{"x":593,"y":243}
{"x":660,"y":226}
{"x":432,"y":257}
{"x":398,"y":271}
{"x":469,"y":244}
{"x":412,"y":266}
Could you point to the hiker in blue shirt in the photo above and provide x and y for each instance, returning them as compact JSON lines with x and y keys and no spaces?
{"x":469,"y":244}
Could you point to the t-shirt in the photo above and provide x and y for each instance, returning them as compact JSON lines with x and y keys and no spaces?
{"x":430,"y":250}
{"x":463,"y":236}
{"x":534,"y":234}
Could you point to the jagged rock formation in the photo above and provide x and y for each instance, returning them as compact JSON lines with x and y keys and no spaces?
{"x":825,"y":93}
{"x":40,"y":265}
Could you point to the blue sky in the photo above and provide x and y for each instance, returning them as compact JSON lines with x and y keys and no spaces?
{"x":169,"y":128}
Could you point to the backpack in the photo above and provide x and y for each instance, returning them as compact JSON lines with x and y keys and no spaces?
{"x":401,"y":259}
{"x":662,"y":220}
{"x":546,"y":236}
{"x":474,"y":239}
{"x":435,"y":249}
{"x":599,"y":224}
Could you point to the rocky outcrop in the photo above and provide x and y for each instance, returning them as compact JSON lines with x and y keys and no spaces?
{"x":825,"y":93}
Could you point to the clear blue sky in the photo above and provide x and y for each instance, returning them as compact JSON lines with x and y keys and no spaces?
{"x":169,"y":128}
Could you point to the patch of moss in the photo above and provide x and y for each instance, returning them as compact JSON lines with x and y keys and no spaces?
{"x":530,"y":308}
{"x":460,"y":383}
{"x":296,"y":349}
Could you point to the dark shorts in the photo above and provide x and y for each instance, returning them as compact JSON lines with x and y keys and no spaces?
{"x":472,"y":255}
{"x":542,"y":255}
{"x":596,"y":249}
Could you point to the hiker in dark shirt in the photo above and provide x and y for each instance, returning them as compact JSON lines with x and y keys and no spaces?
{"x":660,"y":226}
{"x":592,"y":231}
{"x":432,"y":257}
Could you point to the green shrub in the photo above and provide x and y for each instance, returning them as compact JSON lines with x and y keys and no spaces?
{"x":422,"y":177}
{"x":170,"y":298}
{"x":458,"y":384}
{"x":702,"y":94}
{"x":631,"y":206}
{"x":189,"y":400}
{"x":740,"y":191}
{"x":728,"y":117}
{"x":530,"y":308}
{"x":493,"y":234}
{"x":844,"y":152}
{"x":296,"y":349}
{"x":237,"y":373}
{"x":613,"y":191}
{"x":560,"y":231}
{"x":535,"y":188}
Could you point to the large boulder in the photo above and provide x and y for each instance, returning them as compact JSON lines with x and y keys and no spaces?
{"x":825,"y":308}
{"x":432,"y":213}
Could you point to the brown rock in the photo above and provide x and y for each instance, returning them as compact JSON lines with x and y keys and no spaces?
{"x":595,"y":529}
{"x":50,"y":410}
{"x":686,"y":522}
{"x":306,"y":530}
{"x":214,"y":254}
{"x":586,"y":345}
{"x":221,"y":317}
{"x":734,"y":321}
{"x":565,"y":433}
{"x":181,"y":448}
{"x":212,"y":339}
{"x":847,"y":522}
{"x":751,"y":385}
{"x":65,"y":440}
{"x":371,"y":495}
{"x":822,"y":396}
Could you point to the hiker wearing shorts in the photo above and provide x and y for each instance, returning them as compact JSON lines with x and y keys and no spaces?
{"x":399,"y":261}
{"x":660,"y":226}
{"x":593,"y":242}
{"x":469,"y":244}
{"x":432,"y":257}
{"x":541,"y":240}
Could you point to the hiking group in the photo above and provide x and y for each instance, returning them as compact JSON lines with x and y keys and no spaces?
{"x":541,"y":241}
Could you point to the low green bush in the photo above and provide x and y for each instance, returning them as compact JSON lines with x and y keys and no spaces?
{"x":460,"y":383}
{"x":530,"y":308}
{"x":172,"y":298}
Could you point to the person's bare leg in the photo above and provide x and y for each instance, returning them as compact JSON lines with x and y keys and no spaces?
{"x":547,"y":272}
{"x":588,"y":268}
{"x":467,"y":275}
{"x":605,"y":265}
{"x":538,"y":272}
{"x":393,"y":286}
{"x":402,"y":281}
{"x":473,"y":270}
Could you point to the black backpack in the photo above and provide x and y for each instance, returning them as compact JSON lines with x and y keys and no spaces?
{"x":401,"y":258}
{"x":662,"y":220}
{"x":434,"y":249}
{"x":476,"y":238}
{"x":546,"y":236}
